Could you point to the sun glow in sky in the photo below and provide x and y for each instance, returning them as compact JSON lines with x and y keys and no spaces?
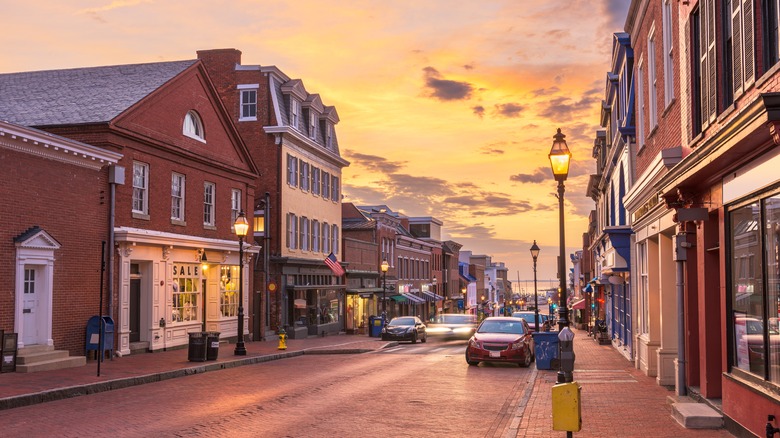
{"x":447,"y":107}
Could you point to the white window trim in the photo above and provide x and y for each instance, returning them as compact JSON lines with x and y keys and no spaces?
{"x":241,"y":89}
{"x":209,"y":206}
{"x":145,"y":189}
{"x":652,"y":85}
{"x":235,"y":206}
{"x":668,"y":58}
{"x":180,"y":196}
{"x":192,"y":125}
{"x":312,"y":125}
{"x":640,"y":107}
{"x":295,"y":112}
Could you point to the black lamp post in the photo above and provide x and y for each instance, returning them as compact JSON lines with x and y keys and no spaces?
{"x":241,"y":226}
{"x":559,"y":161}
{"x":535,"y":254}
{"x":384,"y":268}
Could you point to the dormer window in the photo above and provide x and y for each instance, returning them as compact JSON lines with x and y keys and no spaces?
{"x":329,"y":136}
{"x":312,"y":125}
{"x":295,"y":111}
{"x":193,"y":127}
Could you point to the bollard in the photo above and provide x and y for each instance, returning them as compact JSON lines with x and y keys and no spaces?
{"x":282,"y":339}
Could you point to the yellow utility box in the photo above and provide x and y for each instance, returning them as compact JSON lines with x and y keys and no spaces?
{"x":566,"y":407}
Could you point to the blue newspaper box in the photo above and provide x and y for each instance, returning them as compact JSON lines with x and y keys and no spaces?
{"x":375,"y":324}
{"x":545,"y":349}
{"x":94,"y":328}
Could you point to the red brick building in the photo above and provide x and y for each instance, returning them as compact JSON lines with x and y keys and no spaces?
{"x":183,"y":178}
{"x":56,"y":220}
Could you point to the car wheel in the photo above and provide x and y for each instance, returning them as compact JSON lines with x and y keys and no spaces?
{"x":424,"y":338}
{"x":526,"y":358}
{"x":414,"y":338}
{"x":469,"y":361}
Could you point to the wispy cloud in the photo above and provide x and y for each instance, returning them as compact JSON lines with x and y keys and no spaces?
{"x":96,"y":13}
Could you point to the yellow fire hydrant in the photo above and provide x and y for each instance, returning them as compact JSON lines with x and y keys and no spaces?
{"x":282,"y":339}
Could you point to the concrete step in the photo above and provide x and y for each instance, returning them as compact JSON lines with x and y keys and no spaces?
{"x":139,"y":347}
{"x":56,"y":364}
{"x":696,"y":416}
{"x":30,"y":349}
{"x":26,"y":357}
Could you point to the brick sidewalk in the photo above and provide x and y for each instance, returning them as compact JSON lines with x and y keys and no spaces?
{"x":617,"y":399}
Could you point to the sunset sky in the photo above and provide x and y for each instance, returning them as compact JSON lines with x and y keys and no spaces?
{"x":447,"y":107}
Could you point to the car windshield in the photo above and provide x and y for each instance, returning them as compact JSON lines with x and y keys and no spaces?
{"x":529,"y":317}
{"x":402,"y":321}
{"x":457,"y":319}
{"x":502,"y":327}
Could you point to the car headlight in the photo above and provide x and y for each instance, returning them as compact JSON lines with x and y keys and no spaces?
{"x":473,"y":343}
{"x":517,"y":345}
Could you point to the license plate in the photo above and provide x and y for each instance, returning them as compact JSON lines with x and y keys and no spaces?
{"x":495,"y":354}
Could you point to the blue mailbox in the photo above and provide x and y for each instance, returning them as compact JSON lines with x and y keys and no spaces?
{"x":94,"y":328}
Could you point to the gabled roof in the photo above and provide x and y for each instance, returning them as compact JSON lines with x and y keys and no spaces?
{"x":81,"y":95}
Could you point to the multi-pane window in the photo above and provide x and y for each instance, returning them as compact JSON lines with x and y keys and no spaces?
{"x":312,"y":125}
{"x":770,"y":33}
{"x":177,"y":197}
{"x":292,"y":170}
{"x":668,"y":52}
{"x":295,"y":113}
{"x":186,"y":296}
{"x":29,"y":281}
{"x":304,"y":174}
{"x":315,"y":235}
{"x":209,"y":191}
{"x":315,"y":180}
{"x":743,"y":46}
{"x":329,"y":136}
{"x":751,"y":298}
{"x":193,"y":127}
{"x":334,"y":192}
{"x":335,"y":237}
{"x":305,"y":233}
{"x":640,"y":105}
{"x":652,"y":96}
{"x":140,"y":188}
{"x":325,"y":238}
{"x":704,"y":21}
{"x":292,"y":231}
{"x":248,"y":102}
{"x":644,"y":288}
{"x":235,"y":205}
{"x":325,"y":185}
{"x":228,"y":290}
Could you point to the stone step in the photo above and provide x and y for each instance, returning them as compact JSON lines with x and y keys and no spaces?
{"x":139,"y":347}
{"x":696,"y":416}
{"x":27,"y":357}
{"x":56,"y":364}
{"x":30,"y":349}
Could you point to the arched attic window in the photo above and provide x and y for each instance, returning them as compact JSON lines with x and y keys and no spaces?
{"x":193,"y":127}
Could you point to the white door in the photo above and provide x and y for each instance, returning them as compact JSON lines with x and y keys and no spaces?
{"x":31,"y":298}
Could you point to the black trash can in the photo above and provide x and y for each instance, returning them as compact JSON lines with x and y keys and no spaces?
{"x":212,"y":345}
{"x":197,"y":347}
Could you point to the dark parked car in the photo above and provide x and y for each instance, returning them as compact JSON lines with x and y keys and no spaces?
{"x":453,"y":326}
{"x":501,"y":339}
{"x":405,"y":328}
{"x":528,"y":316}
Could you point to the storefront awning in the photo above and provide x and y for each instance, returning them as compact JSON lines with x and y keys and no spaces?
{"x":413,"y":299}
{"x":318,"y":287}
{"x":430,"y":296}
{"x":579,"y":304}
{"x":364,"y":290}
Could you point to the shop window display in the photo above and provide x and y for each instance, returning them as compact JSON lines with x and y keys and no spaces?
{"x":228,"y":291}
{"x":185,"y":293}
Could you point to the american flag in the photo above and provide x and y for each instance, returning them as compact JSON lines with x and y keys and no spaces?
{"x":334,"y":265}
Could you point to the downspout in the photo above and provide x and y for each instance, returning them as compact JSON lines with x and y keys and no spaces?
{"x":116,"y":175}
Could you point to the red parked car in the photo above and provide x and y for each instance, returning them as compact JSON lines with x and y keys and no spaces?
{"x":501,"y":339}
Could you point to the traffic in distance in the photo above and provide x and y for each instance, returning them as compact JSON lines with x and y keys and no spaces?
{"x":496,"y":339}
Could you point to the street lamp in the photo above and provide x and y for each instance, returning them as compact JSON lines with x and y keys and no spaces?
{"x":535,"y":253}
{"x":559,"y":161}
{"x":241,"y":226}
{"x":384,"y":266}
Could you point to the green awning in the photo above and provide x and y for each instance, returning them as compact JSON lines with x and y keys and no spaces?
{"x":399,"y":298}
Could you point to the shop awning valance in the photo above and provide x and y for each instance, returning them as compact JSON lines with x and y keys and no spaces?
{"x":408,"y":298}
{"x":430,"y":296}
{"x":579,"y":304}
